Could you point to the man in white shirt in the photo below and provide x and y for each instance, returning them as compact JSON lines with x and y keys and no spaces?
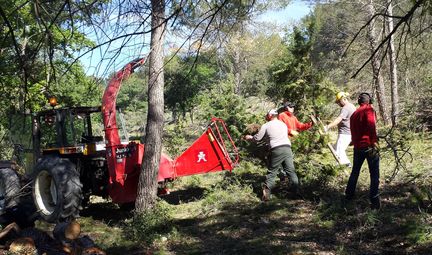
{"x":281,"y":156}
{"x":343,"y":124}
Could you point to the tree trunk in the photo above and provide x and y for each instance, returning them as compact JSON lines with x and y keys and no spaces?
{"x":393,"y":67}
{"x":147,"y":186}
{"x":376,"y":65}
{"x":237,"y":69}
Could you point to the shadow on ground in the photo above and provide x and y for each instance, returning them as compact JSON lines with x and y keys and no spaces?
{"x":184,"y":196}
{"x":107,"y":212}
{"x":318,"y":222}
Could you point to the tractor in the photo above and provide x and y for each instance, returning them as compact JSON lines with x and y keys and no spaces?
{"x":79,"y":152}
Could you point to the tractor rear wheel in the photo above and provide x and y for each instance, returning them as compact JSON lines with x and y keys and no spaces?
{"x":9,"y":189}
{"x":57,"y":189}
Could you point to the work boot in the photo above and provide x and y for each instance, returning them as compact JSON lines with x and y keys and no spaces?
{"x":266,"y":194}
{"x":284,"y":181}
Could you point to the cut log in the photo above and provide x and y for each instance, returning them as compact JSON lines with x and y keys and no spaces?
{"x":23,"y":245}
{"x":66,"y":231}
{"x":11,"y":227}
{"x":93,"y":251}
{"x":88,"y":246}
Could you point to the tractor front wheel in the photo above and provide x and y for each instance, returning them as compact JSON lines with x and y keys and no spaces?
{"x":57,"y":190}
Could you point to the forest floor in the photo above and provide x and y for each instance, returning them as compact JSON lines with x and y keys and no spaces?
{"x":284,"y":225}
{"x":222,"y":213}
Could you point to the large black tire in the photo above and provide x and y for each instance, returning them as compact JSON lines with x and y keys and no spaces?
{"x":9,"y":189}
{"x":57,"y":190}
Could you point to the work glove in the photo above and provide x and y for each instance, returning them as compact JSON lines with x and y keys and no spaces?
{"x":248,"y":137}
{"x":294,"y":133}
{"x":374,"y":150}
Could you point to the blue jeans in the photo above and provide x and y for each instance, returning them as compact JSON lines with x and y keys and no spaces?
{"x":373,"y":163}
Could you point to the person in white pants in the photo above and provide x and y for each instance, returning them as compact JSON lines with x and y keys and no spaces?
{"x":343,"y":124}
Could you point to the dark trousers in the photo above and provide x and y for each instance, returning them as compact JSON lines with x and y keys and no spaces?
{"x":373,"y":163}
{"x":281,"y":158}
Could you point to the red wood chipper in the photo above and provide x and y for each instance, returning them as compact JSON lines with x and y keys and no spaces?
{"x":73,"y":162}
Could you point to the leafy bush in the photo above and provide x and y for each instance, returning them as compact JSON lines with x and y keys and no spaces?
{"x":232,"y":108}
{"x":174,"y":139}
{"x":418,"y":230}
{"x":150,"y":225}
{"x":395,"y":148}
{"x":315,"y":174}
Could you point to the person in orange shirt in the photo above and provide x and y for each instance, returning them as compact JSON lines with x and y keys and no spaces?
{"x":293,"y":124}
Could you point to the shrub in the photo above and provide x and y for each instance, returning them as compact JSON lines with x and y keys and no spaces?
{"x":150,"y":225}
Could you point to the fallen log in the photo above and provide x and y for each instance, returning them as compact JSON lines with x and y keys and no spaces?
{"x":23,"y":246}
{"x":9,"y":228}
{"x":67,"y":231}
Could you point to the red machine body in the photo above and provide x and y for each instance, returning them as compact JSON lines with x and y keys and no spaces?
{"x":207,"y":154}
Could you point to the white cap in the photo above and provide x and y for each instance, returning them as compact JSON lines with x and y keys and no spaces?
{"x":272,"y":112}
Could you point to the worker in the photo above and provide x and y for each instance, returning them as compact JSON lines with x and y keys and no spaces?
{"x":291,"y":121}
{"x":365,"y":141}
{"x":343,"y":124}
{"x":281,"y":156}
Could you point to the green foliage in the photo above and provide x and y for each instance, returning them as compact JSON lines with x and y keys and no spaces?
{"x":309,"y":141}
{"x":174,"y":139}
{"x":186,"y":80}
{"x":150,"y":225}
{"x":294,"y":77}
{"x":395,"y":147}
{"x":225,"y":14}
{"x":75,"y":88}
{"x":422,"y":106}
{"x":6,"y":146}
{"x":417,"y":230}
{"x":247,"y":57}
{"x":315,"y":174}
{"x":37,"y":42}
{"x":133,"y":93}
{"x":222,"y":103}
{"x":231,"y":194}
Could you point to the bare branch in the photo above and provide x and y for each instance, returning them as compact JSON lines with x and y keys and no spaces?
{"x":405,"y":19}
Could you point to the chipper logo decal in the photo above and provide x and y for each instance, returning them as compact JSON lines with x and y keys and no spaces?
{"x":202,"y":156}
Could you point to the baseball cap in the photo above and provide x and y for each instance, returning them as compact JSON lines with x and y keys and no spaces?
{"x":289,"y":104}
{"x":272,"y":112}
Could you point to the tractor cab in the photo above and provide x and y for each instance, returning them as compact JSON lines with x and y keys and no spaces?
{"x":68,"y":131}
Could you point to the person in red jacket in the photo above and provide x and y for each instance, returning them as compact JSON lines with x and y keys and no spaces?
{"x":293,"y":124}
{"x":365,"y":140}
